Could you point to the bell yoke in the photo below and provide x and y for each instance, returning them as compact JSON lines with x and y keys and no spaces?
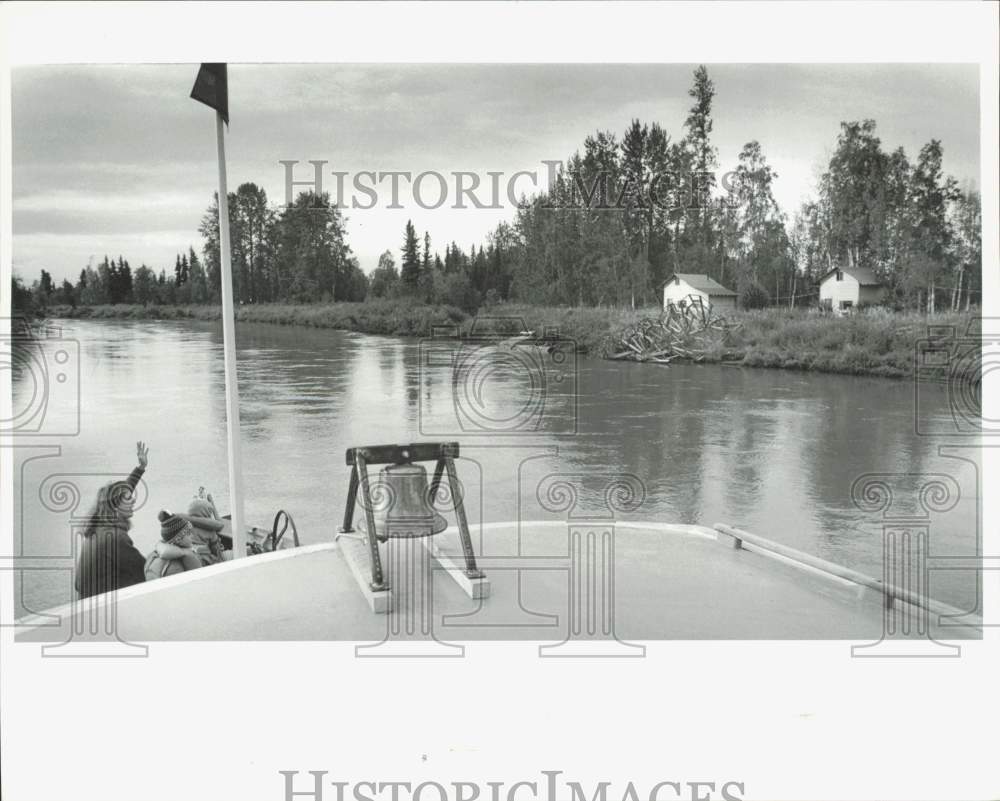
{"x":402,"y":505}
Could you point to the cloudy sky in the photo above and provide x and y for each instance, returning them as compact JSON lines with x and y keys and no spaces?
{"x":118,"y":160}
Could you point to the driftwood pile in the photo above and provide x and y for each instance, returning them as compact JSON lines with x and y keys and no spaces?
{"x":692,"y":332}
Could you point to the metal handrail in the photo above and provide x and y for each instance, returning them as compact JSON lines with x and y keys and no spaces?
{"x":890,"y":591}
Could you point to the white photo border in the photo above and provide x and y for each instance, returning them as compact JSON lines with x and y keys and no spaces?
{"x":788,"y":720}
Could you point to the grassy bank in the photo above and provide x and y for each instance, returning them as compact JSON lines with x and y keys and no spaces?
{"x":586,"y":327}
{"x":874,"y":343}
{"x":376,"y":317}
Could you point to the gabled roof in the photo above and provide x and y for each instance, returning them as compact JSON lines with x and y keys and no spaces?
{"x":702,"y":283}
{"x":862,"y":275}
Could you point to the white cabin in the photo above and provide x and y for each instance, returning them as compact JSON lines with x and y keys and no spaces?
{"x":842,"y":290}
{"x":679,"y":288}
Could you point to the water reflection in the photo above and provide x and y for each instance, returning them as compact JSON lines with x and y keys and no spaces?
{"x":774,"y":452}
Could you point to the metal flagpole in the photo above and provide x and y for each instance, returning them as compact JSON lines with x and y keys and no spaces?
{"x":229,"y":342}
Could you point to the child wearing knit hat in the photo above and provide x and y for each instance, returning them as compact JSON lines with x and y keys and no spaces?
{"x":206,"y":525}
{"x":173,"y":553}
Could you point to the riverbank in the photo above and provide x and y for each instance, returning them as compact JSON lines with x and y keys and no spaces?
{"x":586,"y":328}
{"x":877,"y":343}
{"x":874,"y":343}
{"x":374,"y":317}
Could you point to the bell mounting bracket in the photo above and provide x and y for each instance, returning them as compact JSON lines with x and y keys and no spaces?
{"x":444,"y":454}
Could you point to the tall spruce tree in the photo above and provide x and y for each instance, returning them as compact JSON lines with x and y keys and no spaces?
{"x":703,"y":161}
{"x":410,"y":270}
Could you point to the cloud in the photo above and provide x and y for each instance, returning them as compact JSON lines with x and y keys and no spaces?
{"x":72,"y":201}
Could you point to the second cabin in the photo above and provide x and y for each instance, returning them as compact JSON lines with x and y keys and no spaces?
{"x":843,"y":290}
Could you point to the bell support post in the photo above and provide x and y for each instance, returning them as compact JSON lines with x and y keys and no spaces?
{"x":471,"y":571}
{"x":436,"y":481}
{"x":361,"y":466}
{"x":352,"y":497}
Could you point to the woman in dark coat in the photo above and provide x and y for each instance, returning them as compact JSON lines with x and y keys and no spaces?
{"x":108,"y":560}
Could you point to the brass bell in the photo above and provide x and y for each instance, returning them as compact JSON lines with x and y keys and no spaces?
{"x":401,"y":504}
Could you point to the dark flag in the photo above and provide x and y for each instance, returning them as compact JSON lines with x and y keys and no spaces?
{"x":211,"y":87}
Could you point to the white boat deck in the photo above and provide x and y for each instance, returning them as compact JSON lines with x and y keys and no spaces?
{"x":668,"y":582}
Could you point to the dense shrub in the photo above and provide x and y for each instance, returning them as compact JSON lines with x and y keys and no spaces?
{"x":754,"y":296}
{"x":455,"y":289}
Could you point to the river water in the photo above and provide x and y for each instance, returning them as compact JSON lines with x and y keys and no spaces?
{"x":774,"y":452}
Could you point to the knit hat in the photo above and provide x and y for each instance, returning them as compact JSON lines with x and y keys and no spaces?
{"x":171,"y":526}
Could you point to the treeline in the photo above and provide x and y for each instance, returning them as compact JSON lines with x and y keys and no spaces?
{"x":914,"y":227}
{"x":618,"y":218}
{"x":298,"y":255}
{"x":463,"y":280}
{"x":114,"y":281}
{"x":623,"y":215}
